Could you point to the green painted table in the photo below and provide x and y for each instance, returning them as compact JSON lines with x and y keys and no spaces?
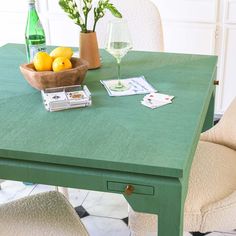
{"x":116,"y":142}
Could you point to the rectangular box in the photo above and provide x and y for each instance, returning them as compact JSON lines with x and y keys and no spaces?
{"x":61,"y":98}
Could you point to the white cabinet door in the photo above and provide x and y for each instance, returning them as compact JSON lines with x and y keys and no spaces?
{"x":230,"y":11}
{"x":63,"y":31}
{"x":13,"y":16}
{"x":12,"y":27}
{"x":189,"y":38}
{"x":188,"y":10}
{"x":228,"y":67}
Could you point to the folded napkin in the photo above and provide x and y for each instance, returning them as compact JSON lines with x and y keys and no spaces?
{"x":136,"y":85}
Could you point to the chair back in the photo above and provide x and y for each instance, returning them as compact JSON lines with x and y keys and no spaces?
{"x":144,"y":23}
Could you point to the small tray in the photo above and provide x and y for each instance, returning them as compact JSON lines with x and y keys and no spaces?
{"x":61,"y":98}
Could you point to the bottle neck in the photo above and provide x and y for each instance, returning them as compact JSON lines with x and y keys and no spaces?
{"x":31,"y":4}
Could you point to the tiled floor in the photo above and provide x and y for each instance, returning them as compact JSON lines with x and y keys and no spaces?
{"x":106,"y":212}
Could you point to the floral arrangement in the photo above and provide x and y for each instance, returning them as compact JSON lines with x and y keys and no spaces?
{"x":80,"y":16}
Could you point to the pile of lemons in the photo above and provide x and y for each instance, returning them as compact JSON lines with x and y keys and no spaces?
{"x":57,"y":60}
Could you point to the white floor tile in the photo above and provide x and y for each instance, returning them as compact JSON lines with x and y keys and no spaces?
{"x":155,"y":234}
{"x":230,"y":233}
{"x":12,"y":190}
{"x":100,"y":226}
{"x":106,"y":205}
{"x":187,"y":234}
{"x":215,"y":234}
{"x":77,"y":196}
{"x":40,"y":188}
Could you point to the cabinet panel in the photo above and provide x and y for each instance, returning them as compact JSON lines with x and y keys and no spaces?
{"x":188,"y":10}
{"x":12,"y":27}
{"x":189,"y":38}
{"x":231,"y":11}
{"x":228,"y":75}
{"x":63,"y":31}
{"x":54,"y":7}
{"x":14,"y":6}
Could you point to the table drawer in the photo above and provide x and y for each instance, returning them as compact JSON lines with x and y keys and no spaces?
{"x":136,"y":188}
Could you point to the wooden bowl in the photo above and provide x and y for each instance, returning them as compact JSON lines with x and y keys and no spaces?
{"x":49,"y":79}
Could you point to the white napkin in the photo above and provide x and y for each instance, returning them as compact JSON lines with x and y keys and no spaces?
{"x":136,"y":85}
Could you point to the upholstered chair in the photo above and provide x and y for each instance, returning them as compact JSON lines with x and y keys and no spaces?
{"x":40,"y":215}
{"x":211,"y":200}
{"x":144,"y":23}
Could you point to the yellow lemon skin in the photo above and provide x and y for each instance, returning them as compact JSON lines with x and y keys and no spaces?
{"x":61,"y":63}
{"x":62,"y":52}
{"x":42,"y":61}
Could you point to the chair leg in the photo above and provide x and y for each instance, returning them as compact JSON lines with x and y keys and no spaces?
{"x":63,"y":190}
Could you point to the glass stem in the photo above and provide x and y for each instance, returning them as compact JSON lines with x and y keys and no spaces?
{"x":118,"y":71}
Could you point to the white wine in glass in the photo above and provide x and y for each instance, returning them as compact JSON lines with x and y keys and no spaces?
{"x":118,"y":44}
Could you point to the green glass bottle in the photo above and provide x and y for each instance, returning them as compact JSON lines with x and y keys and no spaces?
{"x":35,"y":39}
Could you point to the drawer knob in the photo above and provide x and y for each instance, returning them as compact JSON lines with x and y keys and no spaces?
{"x":216,"y":82}
{"x":129,"y":189}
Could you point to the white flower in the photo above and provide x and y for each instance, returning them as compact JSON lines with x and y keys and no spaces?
{"x":89,"y":5}
{"x":71,"y":5}
{"x":81,"y":20}
{"x":75,"y":11}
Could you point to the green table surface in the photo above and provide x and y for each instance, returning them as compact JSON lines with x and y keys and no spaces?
{"x":115,"y":133}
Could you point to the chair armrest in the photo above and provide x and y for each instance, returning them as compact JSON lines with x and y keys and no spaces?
{"x":224,"y":132}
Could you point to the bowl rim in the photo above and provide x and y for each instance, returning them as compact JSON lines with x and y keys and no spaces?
{"x":84,"y":65}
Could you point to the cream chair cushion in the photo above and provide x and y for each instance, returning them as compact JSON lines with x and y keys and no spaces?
{"x":211,"y":200}
{"x":46,"y":214}
{"x":225,"y":131}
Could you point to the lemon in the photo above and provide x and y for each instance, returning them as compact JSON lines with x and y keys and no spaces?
{"x":62,"y":52}
{"x":61,"y":63}
{"x":42,"y":61}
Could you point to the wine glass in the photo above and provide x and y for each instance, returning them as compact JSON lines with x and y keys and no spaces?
{"x":118,"y":44}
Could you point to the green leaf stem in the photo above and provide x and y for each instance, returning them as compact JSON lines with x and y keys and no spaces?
{"x":70,"y":7}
